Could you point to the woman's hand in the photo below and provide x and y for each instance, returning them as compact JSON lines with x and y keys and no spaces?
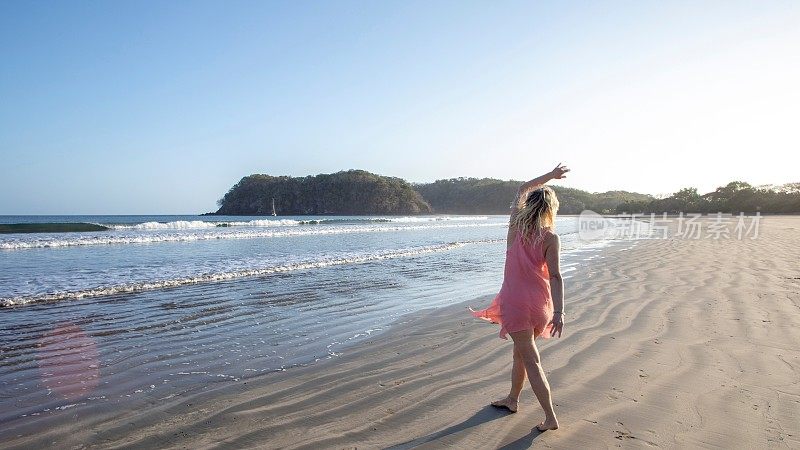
{"x":559,"y":171}
{"x":558,"y":324}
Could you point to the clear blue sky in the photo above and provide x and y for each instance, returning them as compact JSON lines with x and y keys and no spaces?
{"x":151,"y":107}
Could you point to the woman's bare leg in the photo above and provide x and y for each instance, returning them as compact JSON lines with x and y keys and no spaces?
{"x":523,"y":342}
{"x":518,"y":375}
{"x":517,"y":382}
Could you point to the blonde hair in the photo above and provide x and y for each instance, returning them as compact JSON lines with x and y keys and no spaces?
{"x":536,"y":215}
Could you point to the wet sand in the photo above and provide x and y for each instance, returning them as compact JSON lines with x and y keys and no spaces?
{"x":672,"y":343}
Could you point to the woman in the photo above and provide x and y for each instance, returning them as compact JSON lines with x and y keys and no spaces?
{"x":531,"y":301}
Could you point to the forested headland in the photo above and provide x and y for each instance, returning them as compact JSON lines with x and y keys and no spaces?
{"x":352,"y":192}
{"x":358,"y":192}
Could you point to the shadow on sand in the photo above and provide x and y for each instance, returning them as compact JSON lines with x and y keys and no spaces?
{"x":484,"y":415}
{"x":524,"y":442}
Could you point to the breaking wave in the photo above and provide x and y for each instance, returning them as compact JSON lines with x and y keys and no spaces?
{"x":149,"y":238}
{"x":199,"y":224}
{"x":223,"y":276}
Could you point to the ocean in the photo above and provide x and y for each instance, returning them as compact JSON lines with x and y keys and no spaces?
{"x":152,"y":307}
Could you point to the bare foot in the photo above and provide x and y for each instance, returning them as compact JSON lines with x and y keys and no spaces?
{"x":507,"y":403}
{"x":548,"y":424}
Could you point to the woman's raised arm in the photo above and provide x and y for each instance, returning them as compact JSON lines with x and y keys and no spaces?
{"x":522,"y":193}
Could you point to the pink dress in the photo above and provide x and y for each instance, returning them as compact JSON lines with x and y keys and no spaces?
{"x":524,"y":301}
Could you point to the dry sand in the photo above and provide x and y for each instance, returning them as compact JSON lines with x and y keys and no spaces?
{"x":672,"y":343}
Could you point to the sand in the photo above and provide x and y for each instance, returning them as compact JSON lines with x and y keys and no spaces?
{"x":671,"y":343}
